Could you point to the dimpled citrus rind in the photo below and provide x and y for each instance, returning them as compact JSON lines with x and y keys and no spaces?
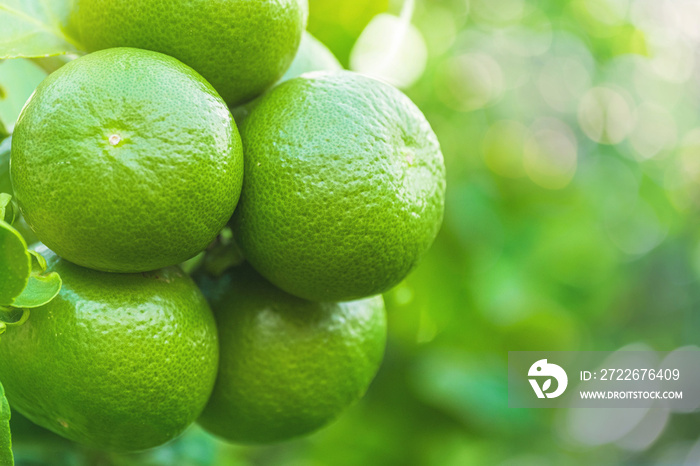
{"x":344,"y":186}
{"x":240,"y":46}
{"x":120,"y":362}
{"x":126,"y":160}
{"x":288,"y":366}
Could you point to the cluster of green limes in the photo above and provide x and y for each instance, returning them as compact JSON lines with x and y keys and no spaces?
{"x":127,"y":162}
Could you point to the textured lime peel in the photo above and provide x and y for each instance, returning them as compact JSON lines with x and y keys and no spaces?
{"x":344,"y":186}
{"x":150,"y":338}
{"x":241,"y":47}
{"x":140,"y":156}
{"x":288,"y":366}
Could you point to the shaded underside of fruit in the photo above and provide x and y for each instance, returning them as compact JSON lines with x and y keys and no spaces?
{"x":117,"y":361}
{"x":288,"y":366}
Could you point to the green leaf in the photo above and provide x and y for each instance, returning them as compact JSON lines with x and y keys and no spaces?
{"x":5,"y":184}
{"x":18,"y":79}
{"x":7,"y":209}
{"x":35,"y":28}
{"x":6,"y":458}
{"x":15,"y":264}
{"x":4,"y":133}
{"x":13,"y":317}
{"x":40,"y":290}
{"x":39,"y":263}
{"x":51,"y":64}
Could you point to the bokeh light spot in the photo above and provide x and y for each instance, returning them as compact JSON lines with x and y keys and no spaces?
{"x":550,"y":154}
{"x":469,"y":82}
{"x":605,"y":116}
{"x":650,"y":427}
{"x":390,"y":48}
{"x":654,"y":131}
{"x":562,"y":81}
{"x":502,"y":12}
{"x":637,"y":232}
{"x":503,"y":148}
{"x":438,"y":28}
{"x":590,"y":426}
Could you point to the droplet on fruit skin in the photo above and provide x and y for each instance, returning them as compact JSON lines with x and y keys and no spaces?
{"x":115,"y":139}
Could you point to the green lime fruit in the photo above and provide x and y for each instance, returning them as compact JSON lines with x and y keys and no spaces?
{"x":344,"y":186}
{"x":240,"y":46}
{"x":312,"y":56}
{"x":288,"y":366}
{"x":121,"y":362}
{"x":126,"y":160}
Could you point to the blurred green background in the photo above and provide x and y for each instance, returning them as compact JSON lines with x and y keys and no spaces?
{"x":571,"y":134}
